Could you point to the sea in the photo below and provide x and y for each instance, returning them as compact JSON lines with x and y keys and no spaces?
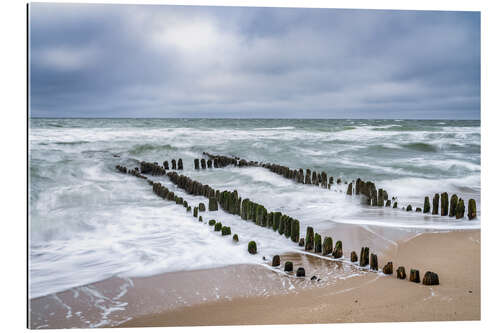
{"x":88,"y":222}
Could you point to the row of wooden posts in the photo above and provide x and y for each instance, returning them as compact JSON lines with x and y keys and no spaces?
{"x":373,"y":197}
{"x":231,"y":203}
{"x":166,"y":194}
{"x":248,"y":210}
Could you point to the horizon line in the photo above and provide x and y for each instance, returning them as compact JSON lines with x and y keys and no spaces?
{"x":230,"y":118}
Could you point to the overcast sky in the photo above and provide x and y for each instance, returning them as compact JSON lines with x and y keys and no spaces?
{"x":179,"y":61}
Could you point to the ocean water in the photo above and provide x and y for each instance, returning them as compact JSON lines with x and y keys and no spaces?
{"x":88,"y":222}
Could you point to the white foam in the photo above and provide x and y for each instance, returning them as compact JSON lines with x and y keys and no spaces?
{"x":87,"y":218}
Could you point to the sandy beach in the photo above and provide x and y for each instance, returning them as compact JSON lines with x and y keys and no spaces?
{"x":259,"y":294}
{"x":368,"y":298}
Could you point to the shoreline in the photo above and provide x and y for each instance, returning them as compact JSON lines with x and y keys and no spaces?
{"x":367,"y":298}
{"x":261,"y":294}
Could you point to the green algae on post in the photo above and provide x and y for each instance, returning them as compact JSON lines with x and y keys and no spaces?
{"x":327,"y":246}
{"x":309,"y":239}
{"x":212,"y":204}
{"x":453,"y":205}
{"x":226,"y":230}
{"x":252,"y":247}
{"x":415,"y":275}
{"x":444,"y":204}
{"x":427,"y":205}
{"x":317,"y":243}
{"x":471,"y":209}
{"x":337,"y":252}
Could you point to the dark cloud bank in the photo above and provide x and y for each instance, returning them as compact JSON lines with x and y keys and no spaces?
{"x":177,"y":61}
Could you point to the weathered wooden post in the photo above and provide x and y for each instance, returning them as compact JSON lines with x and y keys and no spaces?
{"x":252,"y":247}
{"x":196,"y":164}
{"x":174,"y":165}
{"x":435,"y":204}
{"x":203,"y":163}
{"x":349,"y":189}
{"x":354,"y":256}
{"x":388,"y":268}
{"x":309,"y":239}
{"x":430,"y":279}
{"x":209,"y":164}
{"x":195,"y":211}
{"x":471,"y":209}
{"x":179,"y":164}
{"x":427,"y":205}
{"x":288,"y":266}
{"x":359,"y":183}
{"x":288,"y":227}
{"x":364,"y":256}
{"x":373,"y":262}
{"x":415,"y":275}
{"x":337,"y":252}
{"x":165,"y":165}
{"x":301,"y":272}
{"x":380,"y":197}
{"x":295,"y":231}
{"x":444,"y":204}
{"x":317,"y":243}
{"x":453,"y":205}
{"x":276,"y":220}
{"x":460,"y":209}
{"x":400,"y":272}
{"x":327,"y":246}
{"x":212,"y":204}
{"x":276,"y":261}
{"x":281,"y":228}
{"x":324,"y":178}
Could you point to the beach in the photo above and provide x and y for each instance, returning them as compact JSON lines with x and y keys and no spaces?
{"x":369,"y":298}
{"x":252,"y":294}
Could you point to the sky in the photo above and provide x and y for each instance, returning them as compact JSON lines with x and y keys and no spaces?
{"x":156,"y":61}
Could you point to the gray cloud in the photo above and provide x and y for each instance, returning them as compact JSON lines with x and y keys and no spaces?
{"x":177,"y":61}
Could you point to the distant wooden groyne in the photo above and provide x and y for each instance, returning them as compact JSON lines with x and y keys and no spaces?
{"x":373,"y":196}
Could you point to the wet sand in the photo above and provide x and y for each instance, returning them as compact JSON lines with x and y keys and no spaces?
{"x":259,"y":294}
{"x":370,"y":297}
